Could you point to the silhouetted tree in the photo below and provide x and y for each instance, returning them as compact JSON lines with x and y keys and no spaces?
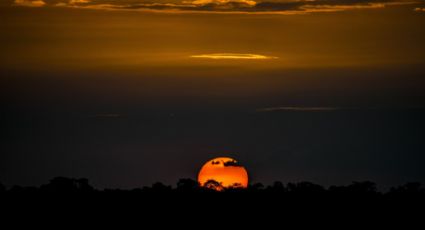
{"x":338,"y":189}
{"x":255,"y":187}
{"x":160,"y":187}
{"x":365,"y":188}
{"x":16,"y":189}
{"x":83,"y":185}
{"x":277,"y":187}
{"x":213,"y":185}
{"x":409,"y":188}
{"x":186,"y":185}
{"x":137,"y":190}
{"x":63,"y":184}
{"x":357,"y":191}
{"x":109,"y":190}
{"x":236,"y":187}
{"x":305,"y":188}
{"x":21,"y":189}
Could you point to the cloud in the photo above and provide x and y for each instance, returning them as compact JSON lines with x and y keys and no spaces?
{"x":231,"y":163}
{"x":225,"y":6}
{"x":78,"y":1}
{"x":233,"y":56}
{"x":6,"y":2}
{"x":107,"y":115}
{"x":299,"y":109}
{"x":221,"y":2}
{"x":30,"y":3}
{"x":419,"y":9}
{"x":331,"y":108}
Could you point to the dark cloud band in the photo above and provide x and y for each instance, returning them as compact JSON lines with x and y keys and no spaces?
{"x":229,"y":6}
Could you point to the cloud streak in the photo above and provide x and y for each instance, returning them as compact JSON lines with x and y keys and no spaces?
{"x":299,"y":109}
{"x":331,"y":108}
{"x":287,"y":7}
{"x":233,"y":56}
{"x":30,"y":3}
{"x":107,"y":115}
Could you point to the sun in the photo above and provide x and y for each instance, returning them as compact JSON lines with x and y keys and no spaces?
{"x":223,"y":172}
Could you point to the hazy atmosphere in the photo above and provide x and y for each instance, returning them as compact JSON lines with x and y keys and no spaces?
{"x":127,"y":93}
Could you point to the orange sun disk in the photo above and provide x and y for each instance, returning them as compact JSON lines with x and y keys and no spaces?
{"x":225,"y":171}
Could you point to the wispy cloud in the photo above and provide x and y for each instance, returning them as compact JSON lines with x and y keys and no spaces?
{"x":107,"y":115}
{"x":233,"y":56}
{"x":221,"y":2}
{"x":287,"y":7}
{"x":333,"y":108}
{"x":298,"y":109}
{"x":30,"y":3}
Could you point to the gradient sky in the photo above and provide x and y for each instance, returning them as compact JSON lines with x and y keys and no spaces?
{"x":131,"y":92}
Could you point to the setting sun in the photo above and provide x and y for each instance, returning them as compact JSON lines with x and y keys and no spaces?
{"x":226,"y":171}
{"x":141,"y":94}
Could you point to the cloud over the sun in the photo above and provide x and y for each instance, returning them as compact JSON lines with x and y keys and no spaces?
{"x":225,"y":6}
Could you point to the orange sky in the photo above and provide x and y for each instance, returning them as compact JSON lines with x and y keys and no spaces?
{"x":66,"y":36}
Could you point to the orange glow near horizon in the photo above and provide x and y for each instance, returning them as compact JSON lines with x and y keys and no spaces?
{"x":225,"y":171}
{"x":233,"y":56}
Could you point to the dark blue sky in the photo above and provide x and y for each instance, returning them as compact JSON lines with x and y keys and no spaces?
{"x":122,"y":130}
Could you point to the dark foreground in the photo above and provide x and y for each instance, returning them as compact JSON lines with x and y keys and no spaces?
{"x":301,"y":204}
{"x":63,"y":185}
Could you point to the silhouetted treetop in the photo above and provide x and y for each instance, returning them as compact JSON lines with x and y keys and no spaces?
{"x":413,"y":188}
{"x":187,"y":185}
{"x":63,"y":184}
{"x":2,"y":187}
{"x":213,"y":185}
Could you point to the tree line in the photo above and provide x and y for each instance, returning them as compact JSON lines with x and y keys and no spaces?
{"x":82,"y":185}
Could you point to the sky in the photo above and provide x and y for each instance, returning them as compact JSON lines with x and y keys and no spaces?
{"x":131,"y":92}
